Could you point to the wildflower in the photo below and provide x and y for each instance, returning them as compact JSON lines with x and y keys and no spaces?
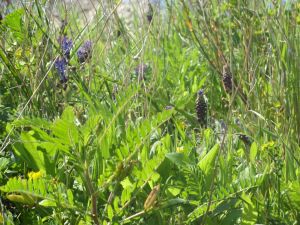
{"x":85,"y":52}
{"x":227,"y":79}
{"x":201,"y":107}
{"x":35,"y":175}
{"x":66,"y":46}
{"x":244,"y":138}
{"x":61,"y":65}
{"x":180,"y":149}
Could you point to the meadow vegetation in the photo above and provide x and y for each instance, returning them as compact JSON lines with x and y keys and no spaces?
{"x":187,"y":117}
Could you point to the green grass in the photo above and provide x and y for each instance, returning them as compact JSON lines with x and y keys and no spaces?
{"x":93,"y":151}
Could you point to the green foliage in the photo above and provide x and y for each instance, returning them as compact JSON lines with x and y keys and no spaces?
{"x":93,"y":148}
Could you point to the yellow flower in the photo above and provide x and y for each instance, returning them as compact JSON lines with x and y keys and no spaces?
{"x":35,"y":175}
{"x":180,"y":149}
{"x":268,"y":145}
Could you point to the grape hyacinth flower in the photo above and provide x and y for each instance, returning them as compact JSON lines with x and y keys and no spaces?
{"x":85,"y":52}
{"x":61,"y":66}
{"x":66,"y":45}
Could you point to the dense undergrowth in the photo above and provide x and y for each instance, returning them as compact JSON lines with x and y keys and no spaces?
{"x":106,"y":124}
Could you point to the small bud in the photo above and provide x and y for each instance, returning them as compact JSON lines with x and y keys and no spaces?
{"x":151,"y":199}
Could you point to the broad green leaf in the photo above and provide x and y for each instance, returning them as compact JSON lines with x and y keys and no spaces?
{"x":3,"y":163}
{"x":200,"y":211}
{"x":28,"y":151}
{"x":294,"y":195}
{"x":21,"y":198}
{"x":65,"y":128}
{"x":110,"y":212}
{"x":253,"y":152}
{"x":14,"y":22}
{"x":174,"y":191}
{"x":47,"y":203}
{"x":177,"y":158}
{"x":207,"y":163}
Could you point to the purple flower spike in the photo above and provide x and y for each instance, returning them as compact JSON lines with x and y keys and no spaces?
{"x":201,"y":92}
{"x":61,"y":66}
{"x":66,"y":46}
{"x":85,"y":52}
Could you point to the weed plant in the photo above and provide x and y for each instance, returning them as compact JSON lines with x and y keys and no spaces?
{"x":190,"y":117}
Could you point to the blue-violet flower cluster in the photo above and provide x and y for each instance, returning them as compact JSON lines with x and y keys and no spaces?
{"x":66,"y":45}
{"x":61,"y":67}
{"x":85,"y":52}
